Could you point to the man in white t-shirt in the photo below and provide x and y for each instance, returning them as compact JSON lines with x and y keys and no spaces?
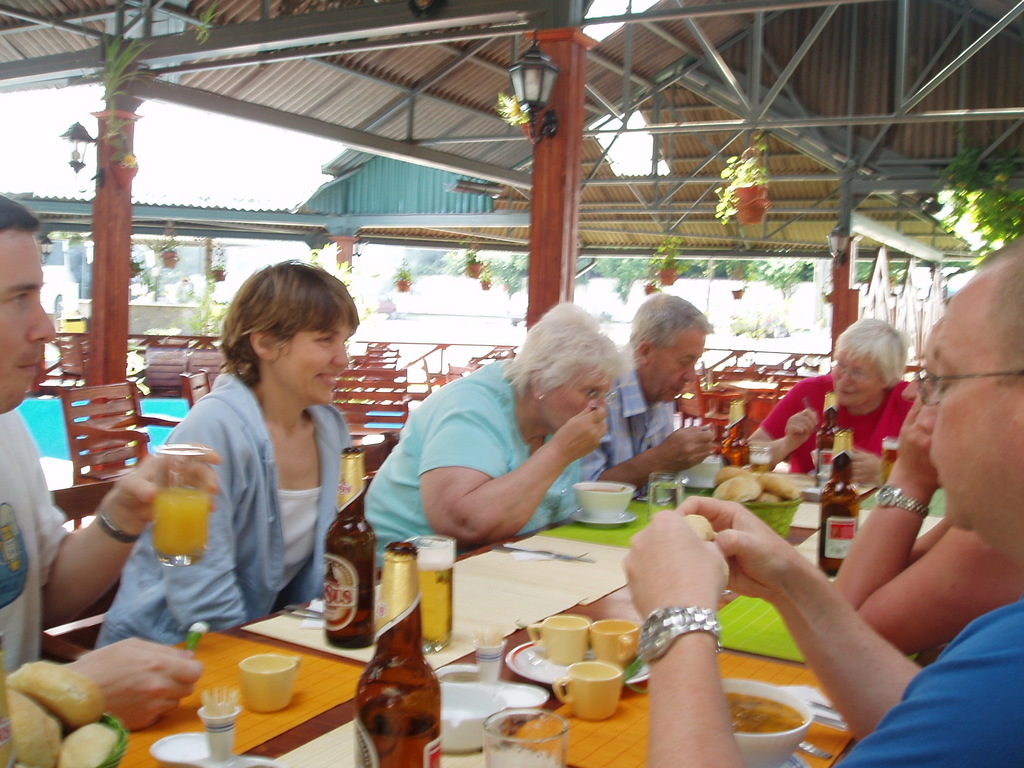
{"x":46,"y":574}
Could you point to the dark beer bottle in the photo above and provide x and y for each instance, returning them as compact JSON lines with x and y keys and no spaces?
{"x":735,"y":451}
{"x":825,"y":438}
{"x":350,"y":565}
{"x":398,"y":700}
{"x":840,"y":507}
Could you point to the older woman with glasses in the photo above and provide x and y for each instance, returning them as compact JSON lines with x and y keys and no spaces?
{"x":870,"y":358}
{"x":496,"y":453}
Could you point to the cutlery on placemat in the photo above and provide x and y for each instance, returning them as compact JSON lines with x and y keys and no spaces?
{"x":546,"y":553}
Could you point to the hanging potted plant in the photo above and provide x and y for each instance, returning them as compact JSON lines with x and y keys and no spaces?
{"x":473,"y":265}
{"x":665,"y":262}
{"x":739,"y":273}
{"x":486,"y":278}
{"x":650,"y":287}
{"x":218,"y":265}
{"x":119,"y":70}
{"x":745,"y":192}
{"x":403,"y":278}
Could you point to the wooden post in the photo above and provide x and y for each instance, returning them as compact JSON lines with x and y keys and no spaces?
{"x":557,"y":176}
{"x":346,"y":249}
{"x":111,"y":266}
{"x":845,"y":300}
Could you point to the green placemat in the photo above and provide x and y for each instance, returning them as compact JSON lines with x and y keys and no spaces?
{"x":753,"y":625}
{"x":615,"y":536}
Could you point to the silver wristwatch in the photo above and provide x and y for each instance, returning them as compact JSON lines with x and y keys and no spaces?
{"x":666,"y":624}
{"x":891,"y":496}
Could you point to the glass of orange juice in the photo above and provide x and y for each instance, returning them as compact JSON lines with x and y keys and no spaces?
{"x":182,"y":505}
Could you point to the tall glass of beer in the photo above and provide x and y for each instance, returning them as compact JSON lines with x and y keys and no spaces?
{"x":889,"y":446}
{"x":182,"y":505}
{"x":435,"y":559}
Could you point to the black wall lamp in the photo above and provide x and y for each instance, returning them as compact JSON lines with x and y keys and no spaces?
{"x":533,"y":77}
{"x":838,"y":243}
{"x":78,"y":137}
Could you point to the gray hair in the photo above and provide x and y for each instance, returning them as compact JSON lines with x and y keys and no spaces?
{"x":878,"y":342}
{"x":1006,"y":312}
{"x":566,"y":343}
{"x":662,"y":318}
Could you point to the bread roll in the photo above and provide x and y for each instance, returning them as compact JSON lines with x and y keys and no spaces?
{"x":88,"y":747}
{"x":767,"y":498}
{"x":36,"y":733}
{"x":727,"y":473}
{"x":781,"y":486}
{"x":701,"y":527}
{"x":70,"y":695}
{"x":740,"y":488}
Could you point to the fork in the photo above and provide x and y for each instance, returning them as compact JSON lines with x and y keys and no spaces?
{"x":813,"y":751}
{"x":556,"y":555}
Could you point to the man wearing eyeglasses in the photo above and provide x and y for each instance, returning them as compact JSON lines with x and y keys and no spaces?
{"x":962,"y":709}
{"x":666,"y":342}
{"x":870,"y":357}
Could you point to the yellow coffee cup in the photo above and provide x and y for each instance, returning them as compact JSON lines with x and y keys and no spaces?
{"x":591,"y":688}
{"x":268,"y":681}
{"x":563,"y":638}
{"x":614,"y":641}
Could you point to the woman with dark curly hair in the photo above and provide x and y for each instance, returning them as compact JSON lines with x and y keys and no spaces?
{"x":271,"y":419}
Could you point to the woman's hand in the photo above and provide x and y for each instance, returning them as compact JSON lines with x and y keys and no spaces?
{"x":801,"y":426}
{"x":582,"y":433}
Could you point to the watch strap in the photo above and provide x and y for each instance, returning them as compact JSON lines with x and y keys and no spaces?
{"x":107,"y":526}
{"x":891,"y":496}
{"x":664,"y":625}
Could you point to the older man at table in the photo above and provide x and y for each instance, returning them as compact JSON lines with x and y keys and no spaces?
{"x":666,"y":341}
{"x":965,"y":706}
{"x":47,"y":575}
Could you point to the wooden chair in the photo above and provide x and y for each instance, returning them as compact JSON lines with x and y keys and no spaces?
{"x":375,"y":453}
{"x":106,"y":429}
{"x":372,"y":400}
{"x":208,"y":361}
{"x":194,"y":386}
{"x":164,"y":366}
{"x":68,"y":641}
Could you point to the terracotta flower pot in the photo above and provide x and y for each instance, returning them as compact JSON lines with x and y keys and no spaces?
{"x":752,"y":204}
{"x":403,"y":286}
{"x":218,"y":275}
{"x":485,"y":284}
{"x":169,"y":259}
{"x":738,"y":293}
{"x":123,"y":174}
{"x":473,"y":270}
{"x":650,"y":288}
{"x":667,"y":276}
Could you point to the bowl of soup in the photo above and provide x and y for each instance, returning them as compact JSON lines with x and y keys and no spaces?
{"x":767,"y":721}
{"x":602,"y":501}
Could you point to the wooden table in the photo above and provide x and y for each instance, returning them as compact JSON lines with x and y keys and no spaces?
{"x":615,"y":604}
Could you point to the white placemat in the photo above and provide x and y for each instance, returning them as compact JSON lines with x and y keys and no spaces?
{"x":494,"y":589}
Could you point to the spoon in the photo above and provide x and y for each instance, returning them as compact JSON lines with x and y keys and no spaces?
{"x":810,"y":749}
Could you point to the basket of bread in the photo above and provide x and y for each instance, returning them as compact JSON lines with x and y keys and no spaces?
{"x":57,"y":719}
{"x":773,"y":498}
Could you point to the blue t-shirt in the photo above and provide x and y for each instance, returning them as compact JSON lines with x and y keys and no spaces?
{"x":467,"y":423}
{"x":963,"y":710}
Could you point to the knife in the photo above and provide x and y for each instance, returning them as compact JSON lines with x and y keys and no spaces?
{"x":545,"y":552}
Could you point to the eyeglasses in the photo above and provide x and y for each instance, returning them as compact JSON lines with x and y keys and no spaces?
{"x":857,"y":374}
{"x":932,"y":389}
{"x":611,"y":394}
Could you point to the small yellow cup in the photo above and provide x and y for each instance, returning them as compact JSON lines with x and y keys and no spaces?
{"x":614,"y":641}
{"x":268,"y":681}
{"x":563,"y":638}
{"x":591,"y":688}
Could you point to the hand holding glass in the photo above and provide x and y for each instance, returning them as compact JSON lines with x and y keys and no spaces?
{"x":182,"y":504}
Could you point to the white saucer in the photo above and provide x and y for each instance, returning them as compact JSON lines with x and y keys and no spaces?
{"x":581,"y":517}
{"x":529,"y":662}
{"x":511,"y":694}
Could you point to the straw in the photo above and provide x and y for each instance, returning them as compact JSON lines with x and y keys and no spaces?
{"x":220,"y":702}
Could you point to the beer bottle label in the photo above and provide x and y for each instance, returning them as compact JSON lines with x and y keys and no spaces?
{"x":366,"y":752}
{"x":432,"y":754}
{"x":341,"y":592}
{"x":839,"y":532}
{"x":824,"y":465}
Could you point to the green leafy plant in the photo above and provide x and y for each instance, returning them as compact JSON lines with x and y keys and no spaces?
{"x":984,"y":208}
{"x":206,"y":17}
{"x":744,"y":170}
{"x":403,"y":276}
{"x":667,"y":254}
{"x":510,"y":112}
{"x":119,"y":70}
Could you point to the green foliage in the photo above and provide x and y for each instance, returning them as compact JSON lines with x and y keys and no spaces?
{"x":981,"y":200}
{"x":667,"y":255}
{"x":509,"y":110}
{"x":783,"y":274}
{"x":743,"y":170}
{"x":625,"y":272}
{"x":404,"y":272}
{"x":210,"y":315}
{"x":206,"y":18}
